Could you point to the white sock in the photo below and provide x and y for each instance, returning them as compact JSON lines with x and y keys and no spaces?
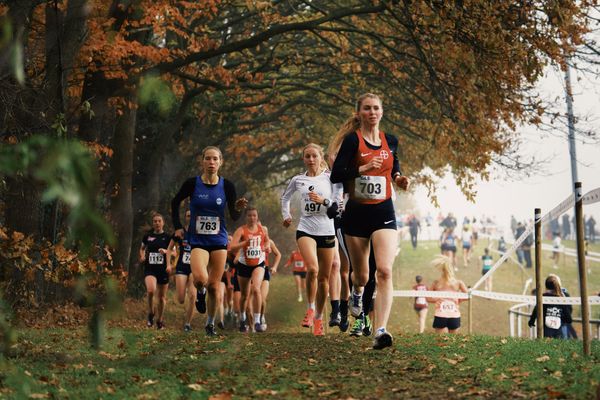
{"x":318,"y":316}
{"x":380,"y":331}
{"x":257,"y":318}
{"x":243,"y":317}
{"x":210,"y":320}
{"x":311,"y":306}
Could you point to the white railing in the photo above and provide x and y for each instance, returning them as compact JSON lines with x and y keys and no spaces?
{"x":520,"y":312}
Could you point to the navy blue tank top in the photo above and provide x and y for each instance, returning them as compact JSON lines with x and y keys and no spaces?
{"x":207,"y":206}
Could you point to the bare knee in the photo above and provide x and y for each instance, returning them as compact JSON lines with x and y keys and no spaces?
{"x":384,"y":274}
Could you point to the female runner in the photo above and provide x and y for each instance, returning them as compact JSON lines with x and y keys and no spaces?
{"x":315,"y":234}
{"x":209,"y":194}
{"x":153,"y":252}
{"x":183,"y":273}
{"x":367,"y":164}
{"x":253,"y":240}
{"x":298,"y":271}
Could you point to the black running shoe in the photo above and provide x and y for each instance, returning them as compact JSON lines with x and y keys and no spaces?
{"x":187,"y":328}
{"x":160,"y":325}
{"x":335,"y":319}
{"x":382,"y":341}
{"x":243,"y":326}
{"x":201,"y":301}
{"x":221,"y":325}
{"x":344,"y":324}
{"x":210,"y":330}
{"x":150,"y":320}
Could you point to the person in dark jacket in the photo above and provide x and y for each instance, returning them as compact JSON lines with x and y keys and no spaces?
{"x":555,"y":315}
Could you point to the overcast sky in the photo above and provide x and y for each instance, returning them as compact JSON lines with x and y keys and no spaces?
{"x":501,"y":197}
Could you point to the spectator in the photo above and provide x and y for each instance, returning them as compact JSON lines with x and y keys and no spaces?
{"x":591,"y":226}
{"x":513,"y":225}
{"x":413,"y":227}
{"x":555,"y":315}
{"x":556,"y":249}
{"x":526,"y":248}
{"x":449,"y":221}
{"x":566,"y":227}
{"x":567,"y":328}
{"x":518,"y":232}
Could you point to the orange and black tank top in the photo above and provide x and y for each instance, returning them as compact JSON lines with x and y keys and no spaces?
{"x":373,"y":186}
{"x":253,"y":252}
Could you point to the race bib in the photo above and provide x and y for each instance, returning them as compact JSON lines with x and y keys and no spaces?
{"x":253,"y":252}
{"x":186,"y":257}
{"x":552,"y":322}
{"x":448,"y":306}
{"x":421,"y":301}
{"x":156,"y":258}
{"x":370,"y":187}
{"x":207,"y":225}
{"x":298,"y":264}
{"x":310,"y":208}
{"x":487,"y":263}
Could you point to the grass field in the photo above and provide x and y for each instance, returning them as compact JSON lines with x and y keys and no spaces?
{"x":288,"y":362}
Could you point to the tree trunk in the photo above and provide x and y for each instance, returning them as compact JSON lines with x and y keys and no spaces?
{"x":122,"y":167}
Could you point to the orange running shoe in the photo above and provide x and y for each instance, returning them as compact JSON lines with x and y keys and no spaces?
{"x":318,"y":328}
{"x":307,"y":322}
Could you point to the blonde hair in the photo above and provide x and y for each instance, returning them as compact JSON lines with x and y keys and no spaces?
{"x":445,"y":265}
{"x":319,"y":149}
{"x":349,"y":126}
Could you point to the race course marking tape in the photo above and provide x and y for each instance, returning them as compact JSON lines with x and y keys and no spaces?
{"x":516,"y":298}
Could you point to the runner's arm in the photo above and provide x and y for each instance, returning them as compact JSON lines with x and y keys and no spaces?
{"x":344,"y":168}
{"x":186,"y":190}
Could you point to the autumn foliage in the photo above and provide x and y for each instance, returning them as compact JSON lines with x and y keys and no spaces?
{"x":147,"y":84}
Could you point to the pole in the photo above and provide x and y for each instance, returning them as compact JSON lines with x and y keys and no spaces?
{"x":470,"y":312}
{"x":538,"y":273}
{"x":585,"y":307}
{"x":571,"y":123}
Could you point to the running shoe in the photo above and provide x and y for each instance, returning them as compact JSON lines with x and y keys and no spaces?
{"x":382,"y":340}
{"x":335,"y":319}
{"x":344,"y":323}
{"x":368,"y":328}
{"x":318,"y":328}
{"x":187,"y":328}
{"x":210,"y":330}
{"x":263,"y":322}
{"x":150,"y":320}
{"x":243,"y":326}
{"x":160,"y":325}
{"x":201,"y":301}
{"x":300,"y":299}
{"x":356,"y":305}
{"x":357,"y":328}
{"x":307,"y":322}
{"x":221,"y":325}
{"x":258,"y":327}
